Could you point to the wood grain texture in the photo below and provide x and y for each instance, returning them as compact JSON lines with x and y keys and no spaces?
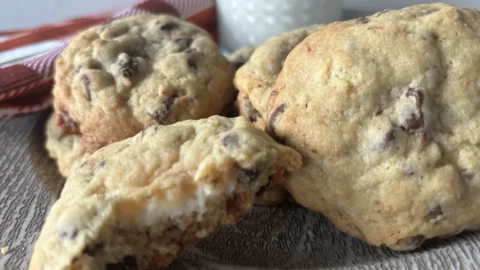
{"x":286,"y":237}
{"x":24,"y":200}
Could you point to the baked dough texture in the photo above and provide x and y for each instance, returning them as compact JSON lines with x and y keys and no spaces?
{"x":113,"y":80}
{"x":137,"y":202}
{"x":385,"y":111}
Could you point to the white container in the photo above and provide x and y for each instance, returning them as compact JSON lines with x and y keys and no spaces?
{"x":251,"y":22}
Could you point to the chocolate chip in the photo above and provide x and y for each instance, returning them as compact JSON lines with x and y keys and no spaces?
{"x":86,"y":85}
{"x":379,"y":112}
{"x":251,"y":112}
{"x":169,"y":27}
{"x":92,"y":250}
{"x":69,"y":233}
{"x":191,"y":63}
{"x":363,"y":20}
{"x":161,"y":116}
{"x":129,"y":67}
{"x":231,"y":141}
{"x":412,"y":242}
{"x":435,"y":211}
{"x":466,"y":175}
{"x":67,"y":121}
{"x":390,"y":136}
{"x":415,"y":122}
{"x":273,"y":120}
{"x":248,"y":175}
{"x":127,"y":263}
{"x":183,"y":42}
{"x":67,"y":124}
{"x":417,"y":95}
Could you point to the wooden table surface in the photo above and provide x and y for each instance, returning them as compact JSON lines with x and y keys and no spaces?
{"x":30,"y":183}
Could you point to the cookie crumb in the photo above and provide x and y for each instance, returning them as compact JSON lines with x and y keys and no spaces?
{"x":4,"y":250}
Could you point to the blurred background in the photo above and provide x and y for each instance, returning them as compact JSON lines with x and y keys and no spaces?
{"x":16,"y":14}
{"x":240,"y":22}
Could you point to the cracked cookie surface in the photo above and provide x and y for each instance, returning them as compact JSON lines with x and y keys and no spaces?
{"x":67,"y":152}
{"x":256,"y":78}
{"x":385,"y":111}
{"x":139,"y":201}
{"x":115,"y":79}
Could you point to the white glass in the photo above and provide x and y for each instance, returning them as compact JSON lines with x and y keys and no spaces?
{"x":251,"y":22}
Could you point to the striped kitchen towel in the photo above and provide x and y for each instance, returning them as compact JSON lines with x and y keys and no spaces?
{"x":26,"y":81}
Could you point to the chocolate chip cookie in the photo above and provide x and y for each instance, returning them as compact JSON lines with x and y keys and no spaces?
{"x":115,"y":79}
{"x":64,"y":149}
{"x":256,"y":78}
{"x":385,"y":111}
{"x":137,"y":202}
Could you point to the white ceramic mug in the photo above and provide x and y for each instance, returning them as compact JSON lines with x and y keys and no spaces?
{"x":251,"y":22}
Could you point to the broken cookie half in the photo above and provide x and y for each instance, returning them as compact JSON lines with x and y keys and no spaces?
{"x":139,"y":201}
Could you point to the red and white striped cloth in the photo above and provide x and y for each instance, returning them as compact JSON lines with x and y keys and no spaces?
{"x":25,"y":86}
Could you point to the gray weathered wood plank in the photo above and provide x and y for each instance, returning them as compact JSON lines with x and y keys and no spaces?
{"x":24,"y":201}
